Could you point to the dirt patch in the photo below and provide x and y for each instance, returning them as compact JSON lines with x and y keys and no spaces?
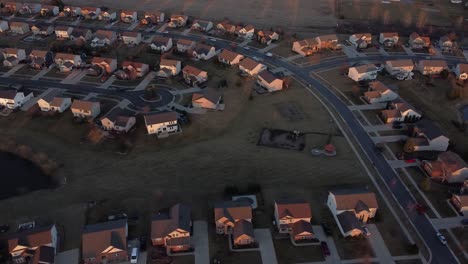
{"x":276,"y":138}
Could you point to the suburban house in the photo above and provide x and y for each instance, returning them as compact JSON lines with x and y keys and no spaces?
{"x":449,"y":167}
{"x":169,"y":68}
{"x":246,"y":32}
{"x":243,"y":233}
{"x":202,"y":25}
{"x":426,"y":137}
{"x":105,"y":242}
{"x":379,"y":93}
{"x":118,"y":119}
{"x":328,"y":42}
{"x":131,"y":38}
{"x":293,"y":216}
{"x":19,"y":28}
{"x":135,"y":68}
{"x":163,"y":124}
{"x":67,"y":61}
{"x":460,"y":202}
{"x":235,"y":218}
{"x":361,"y":41}
{"x":306,"y":47}
{"x":161,"y":44}
{"x":226,"y":27}
{"x":204,"y":52}
{"x":71,"y":11}
{"x":363,"y":72}
{"x":184,"y":45}
{"x":42,"y":30}
{"x":4,"y":26}
{"x":103,"y":38}
{"x":49,"y":10}
{"x":269,"y":81}
{"x":13,"y":56}
{"x":29,"y":8}
{"x":38,"y":58}
{"x":429,"y":67}
{"x":194,"y":76}
{"x":107,"y":65}
{"x":395,"y":67}
{"x":266,"y":37}
{"x":446,"y":43}
{"x":108,"y":15}
{"x":352,"y":208}
{"x":461,"y":71}
{"x":388,"y":39}
{"x":85,"y":109}
{"x":152,"y":18}
{"x":54,"y":102}
{"x":90,"y":12}
{"x":418,"y":42}
{"x":82,"y":34}
{"x":209,"y":99}
{"x":36,"y":245}
{"x":13,"y":99}
{"x":400,"y":111}
{"x":63,"y":32}
{"x":128,"y":16}
{"x":172,"y":229}
{"x":251,"y":67}
{"x":229,"y":57}
{"x":177,"y":21}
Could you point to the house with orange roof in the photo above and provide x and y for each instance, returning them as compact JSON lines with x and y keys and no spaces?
{"x":449,"y":167}
{"x":128,"y":16}
{"x":293,"y":216}
{"x":194,"y":76}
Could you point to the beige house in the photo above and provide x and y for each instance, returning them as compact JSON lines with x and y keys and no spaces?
{"x":460,"y":202}
{"x":293,"y":216}
{"x":229,"y":57}
{"x":128,"y":16}
{"x":251,"y":67}
{"x":269,"y":81}
{"x":13,"y":56}
{"x":461,"y":71}
{"x":63,"y":32}
{"x":426,"y":137}
{"x":209,"y":99}
{"x":418,"y":42}
{"x":246,"y":32}
{"x":108,"y":65}
{"x":82,"y":34}
{"x":138,"y":68}
{"x":389,"y":39}
{"x":363,"y":72}
{"x":328,"y":42}
{"x":177,"y":21}
{"x":379,"y":93}
{"x":85,"y":109}
{"x":19,"y":28}
{"x":38,"y":58}
{"x":162,"y":124}
{"x":13,"y":99}
{"x":401,"y":112}
{"x":202,"y":25}
{"x":90,"y":12}
{"x":161,"y":44}
{"x":352,"y":208}
{"x":67,"y":61}
{"x":361,"y":41}
{"x":429,"y":67}
{"x":183,"y":45}
{"x":306,"y":47}
{"x":54,"y":102}
{"x":131,"y":38}
{"x":449,"y":167}
{"x":49,"y":10}
{"x":227,"y":213}
{"x":266,"y":37}
{"x":169,"y":68}
{"x":29,"y":8}
{"x":194,"y":76}
{"x":172,"y":229}
{"x":394,"y":67}
{"x":226,"y":27}
{"x":119,"y":120}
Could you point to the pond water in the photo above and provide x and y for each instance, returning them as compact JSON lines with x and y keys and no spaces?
{"x":20,"y":176}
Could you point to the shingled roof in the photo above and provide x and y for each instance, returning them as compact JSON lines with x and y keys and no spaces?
{"x":98,"y":237}
{"x":357,"y":199}
{"x":232,"y":210}
{"x":160,"y":118}
{"x":163,"y":224}
{"x":295,"y":208}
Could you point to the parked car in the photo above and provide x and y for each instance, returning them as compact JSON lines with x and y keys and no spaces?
{"x":213,"y":39}
{"x":441,"y":238}
{"x":134,"y":256}
{"x":410,"y":161}
{"x":327,"y":229}
{"x":117,"y":216}
{"x":464,"y":221}
{"x":325,"y":249}
{"x":269,"y":54}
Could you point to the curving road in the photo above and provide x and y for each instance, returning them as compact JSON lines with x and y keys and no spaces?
{"x":440,"y":254}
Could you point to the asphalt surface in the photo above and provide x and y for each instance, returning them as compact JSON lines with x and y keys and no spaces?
{"x":440,"y":253}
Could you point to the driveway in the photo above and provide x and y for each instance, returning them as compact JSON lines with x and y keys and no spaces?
{"x":200,"y":242}
{"x":265,"y":242}
{"x":320,"y":234}
{"x":378,"y":245}
{"x":68,"y":257}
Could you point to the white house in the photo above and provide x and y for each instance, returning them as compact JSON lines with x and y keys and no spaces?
{"x":54,"y":102}
{"x":388,"y":39}
{"x":137,"y":68}
{"x":67,"y":61}
{"x":209,"y":99}
{"x":169,"y":68}
{"x":379,"y":93}
{"x":63,"y":32}
{"x":449,"y":167}
{"x":19,"y":28}
{"x":251,"y":67}
{"x":401,"y":112}
{"x":361,"y":41}
{"x":38,"y":243}
{"x":184,"y":45}
{"x":194,"y":76}
{"x":119,"y":120}
{"x":427,"y":137}
{"x":246,"y":32}
{"x":4,"y":26}
{"x":13,"y":99}
{"x":85,"y":109}
{"x":163,"y":124}
{"x":352,"y":208}
{"x":177,"y":21}
{"x":204,"y":52}
{"x":131,"y":38}
{"x":128,"y":16}
{"x":229,"y":57}
{"x":269,"y":81}
{"x":267,"y":36}
{"x":429,"y":67}
{"x":13,"y":56}
{"x":291,"y":214}
{"x":363,"y":72}
{"x":461,"y":71}
{"x":445,"y":43}
{"x":161,"y":44}
{"x":202,"y":25}
{"x":395,"y":67}
{"x":306,"y":47}
{"x":103,"y":38}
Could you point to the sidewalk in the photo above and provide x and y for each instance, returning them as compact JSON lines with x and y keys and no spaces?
{"x":142,"y":85}
{"x":265,"y":243}
{"x":378,"y":245}
{"x":200,"y":242}
{"x":334,"y":256}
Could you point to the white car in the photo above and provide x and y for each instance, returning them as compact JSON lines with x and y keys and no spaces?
{"x":441,"y":238}
{"x":269,"y":54}
{"x":246,"y":48}
{"x":212,"y":39}
{"x":134,"y":256}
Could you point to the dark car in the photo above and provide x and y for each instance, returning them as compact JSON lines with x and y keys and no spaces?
{"x":464,"y":221}
{"x":327,"y":229}
{"x":325,"y":249}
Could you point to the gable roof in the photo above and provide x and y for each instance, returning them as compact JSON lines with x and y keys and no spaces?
{"x":8,"y":94}
{"x":178,"y":218}
{"x":308,"y":42}
{"x":185,"y":42}
{"x":366,"y":68}
{"x":348,"y":221}
{"x":83,"y":105}
{"x":65,"y":56}
{"x":209,"y":94}
{"x":300,"y":227}
{"x":357,"y":199}
{"x":160,"y":118}
{"x":192,"y":70}
{"x":132,"y":34}
{"x":102,"y":34}
{"x":98,"y":237}
{"x":378,"y":86}
{"x":118,"y":116}
{"x":428,"y":128}
{"x":463,"y":199}
{"x":389,"y":34}
{"x":295,"y":208}
{"x":167,"y":62}
{"x":202,"y":48}
{"x":248,"y":63}
{"x":268,"y":76}
{"x":39,"y":53}
{"x":433,"y":63}
{"x":330,"y":37}
{"x":232,"y":210}
{"x":241,"y":228}
{"x":30,"y":238}
{"x":463,"y":67}
{"x":452,"y":161}
{"x":228,"y":55}
{"x":100,"y":60}
{"x":400,"y":63}
{"x":160,"y":40}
